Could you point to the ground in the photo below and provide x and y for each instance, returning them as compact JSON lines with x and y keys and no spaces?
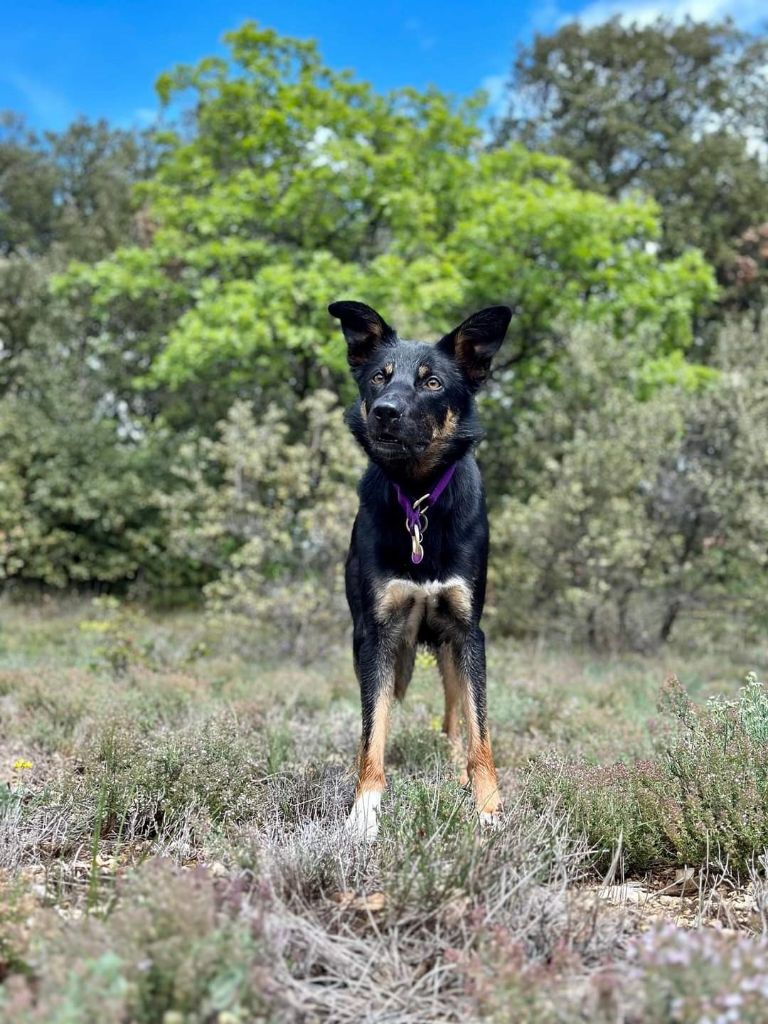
{"x":172,"y":845}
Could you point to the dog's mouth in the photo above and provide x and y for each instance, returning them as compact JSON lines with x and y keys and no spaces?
{"x":389,"y":440}
{"x":392,"y":446}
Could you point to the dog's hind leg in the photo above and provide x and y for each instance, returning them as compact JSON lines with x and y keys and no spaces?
{"x":377,"y":687}
{"x":452,"y":690}
{"x":404,"y":662}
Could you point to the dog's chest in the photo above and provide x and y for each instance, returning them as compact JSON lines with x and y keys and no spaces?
{"x":404,"y":606}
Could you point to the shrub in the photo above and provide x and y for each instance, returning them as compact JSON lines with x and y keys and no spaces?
{"x":420,"y":903}
{"x":668,"y":976}
{"x":76,"y":499}
{"x":704,"y":799}
{"x":687,"y":977}
{"x":273,"y":516}
{"x":168,"y":951}
{"x":648,"y":503}
{"x":117,"y":627}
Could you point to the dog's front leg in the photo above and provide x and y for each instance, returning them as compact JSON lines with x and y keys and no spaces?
{"x":376,"y":666}
{"x":468,"y":657}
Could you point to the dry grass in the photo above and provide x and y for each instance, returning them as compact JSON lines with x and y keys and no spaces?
{"x":176,"y":852}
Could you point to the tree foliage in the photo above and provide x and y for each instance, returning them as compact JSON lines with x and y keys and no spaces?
{"x":63,"y":196}
{"x":76,"y":481}
{"x":678,"y":111}
{"x":288,"y":184}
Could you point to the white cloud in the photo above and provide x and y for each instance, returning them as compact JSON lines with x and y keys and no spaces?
{"x":544,"y":16}
{"x":747,"y":13}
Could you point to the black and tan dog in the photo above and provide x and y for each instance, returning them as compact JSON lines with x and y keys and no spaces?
{"x":416,"y":567}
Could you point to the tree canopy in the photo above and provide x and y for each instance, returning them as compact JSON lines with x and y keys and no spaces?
{"x":286,"y":184}
{"x":677,"y":111}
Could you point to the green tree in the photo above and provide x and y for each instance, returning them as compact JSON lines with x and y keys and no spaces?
{"x":678,"y":111}
{"x":68,"y":190}
{"x":77,"y":501}
{"x":63,"y":196}
{"x":27,"y":185}
{"x":77,"y":471}
{"x":288,"y":184}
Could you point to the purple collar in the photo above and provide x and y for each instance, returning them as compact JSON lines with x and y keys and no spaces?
{"x":416,"y":521}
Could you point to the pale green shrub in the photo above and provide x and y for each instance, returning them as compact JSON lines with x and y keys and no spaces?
{"x":169,"y":951}
{"x":272,"y":512}
{"x":702,"y":800}
{"x":635,"y":513}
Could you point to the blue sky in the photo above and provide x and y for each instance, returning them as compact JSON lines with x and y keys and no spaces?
{"x":59,"y":60}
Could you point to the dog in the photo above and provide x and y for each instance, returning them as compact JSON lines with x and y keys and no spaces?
{"x":416,"y":568}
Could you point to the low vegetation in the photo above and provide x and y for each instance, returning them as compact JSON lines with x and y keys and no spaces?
{"x":172,"y":845}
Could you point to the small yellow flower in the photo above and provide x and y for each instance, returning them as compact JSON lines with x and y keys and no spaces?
{"x":425,"y":658}
{"x":20,"y":765}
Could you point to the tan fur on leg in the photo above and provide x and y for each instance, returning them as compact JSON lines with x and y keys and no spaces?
{"x":482,"y":770}
{"x":372,"y":758}
{"x":363,"y":818}
{"x":452,"y":686}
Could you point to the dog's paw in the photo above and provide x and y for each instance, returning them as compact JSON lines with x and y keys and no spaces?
{"x":490,"y":819}
{"x":363,"y":820}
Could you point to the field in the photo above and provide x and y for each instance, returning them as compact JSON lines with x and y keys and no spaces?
{"x":172,"y":845}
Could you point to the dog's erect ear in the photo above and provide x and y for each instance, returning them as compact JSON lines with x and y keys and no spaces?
{"x":363,"y":328}
{"x":474,"y":343}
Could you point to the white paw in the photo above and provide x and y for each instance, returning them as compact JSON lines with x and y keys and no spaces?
{"x":489,"y":820}
{"x":363,"y":820}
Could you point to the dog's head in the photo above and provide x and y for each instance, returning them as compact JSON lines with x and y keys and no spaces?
{"x":416,"y":409}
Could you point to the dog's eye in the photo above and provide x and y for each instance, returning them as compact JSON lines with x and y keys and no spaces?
{"x":433,"y":383}
{"x":377,"y":378}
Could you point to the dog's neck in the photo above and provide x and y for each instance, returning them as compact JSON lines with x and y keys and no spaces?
{"x":414,"y":484}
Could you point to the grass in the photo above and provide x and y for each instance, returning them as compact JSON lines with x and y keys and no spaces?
{"x":172,"y":846}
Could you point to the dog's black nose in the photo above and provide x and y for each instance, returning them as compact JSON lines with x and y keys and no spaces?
{"x":386,"y":413}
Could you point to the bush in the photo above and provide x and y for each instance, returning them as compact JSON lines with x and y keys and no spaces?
{"x":167,"y":952}
{"x":273,"y":515}
{"x":687,"y":977}
{"x":643,"y":505}
{"x":670,"y":976}
{"x":703,"y":799}
{"x":76,"y":499}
